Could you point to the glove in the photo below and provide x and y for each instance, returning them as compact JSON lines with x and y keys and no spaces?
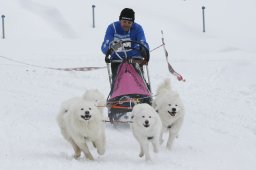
{"x":143,"y":52}
{"x":107,"y":59}
{"x":144,"y":62}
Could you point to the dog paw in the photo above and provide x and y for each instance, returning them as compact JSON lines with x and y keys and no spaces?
{"x":141,"y":154}
{"x":101,"y":151}
{"x":156,"y":150}
{"x":76,"y":156}
{"x":169,"y":147}
{"x":90,"y":158}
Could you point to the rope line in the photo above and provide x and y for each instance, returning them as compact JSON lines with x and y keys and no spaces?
{"x":52,"y":68}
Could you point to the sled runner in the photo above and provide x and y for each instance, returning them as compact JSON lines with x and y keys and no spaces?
{"x":127,"y":79}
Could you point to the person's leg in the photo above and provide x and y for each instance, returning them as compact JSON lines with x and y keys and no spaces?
{"x":114,"y":68}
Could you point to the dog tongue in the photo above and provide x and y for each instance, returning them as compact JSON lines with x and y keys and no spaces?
{"x":172,"y":113}
{"x":86,"y":117}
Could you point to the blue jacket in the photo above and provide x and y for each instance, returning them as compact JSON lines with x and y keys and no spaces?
{"x":116,"y":32}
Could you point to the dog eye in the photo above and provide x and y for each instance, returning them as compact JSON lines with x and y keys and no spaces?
{"x":90,"y":108}
{"x":82,"y":108}
{"x":176,"y":105}
{"x":149,"y":116}
{"x":143,"y":116}
{"x":169,"y":104}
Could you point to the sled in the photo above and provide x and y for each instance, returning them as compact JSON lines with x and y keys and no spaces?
{"x":130,"y":85}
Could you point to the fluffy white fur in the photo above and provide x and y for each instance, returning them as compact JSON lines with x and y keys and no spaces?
{"x":64,"y":108}
{"x":146,"y":128}
{"x":96,"y":96}
{"x":82,"y":123}
{"x":171,"y":110}
{"x":93,"y":95}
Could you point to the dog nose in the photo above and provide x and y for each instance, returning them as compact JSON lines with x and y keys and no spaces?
{"x":174,"y":109}
{"x":146,"y":122}
{"x":87,"y":112}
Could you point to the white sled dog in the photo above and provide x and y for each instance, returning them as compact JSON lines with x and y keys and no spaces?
{"x":92,"y":95}
{"x":81,"y":124}
{"x":171,"y":110}
{"x":96,"y":96}
{"x":146,"y":127}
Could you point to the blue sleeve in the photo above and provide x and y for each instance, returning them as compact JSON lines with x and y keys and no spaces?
{"x":109,"y":37}
{"x":141,"y":36}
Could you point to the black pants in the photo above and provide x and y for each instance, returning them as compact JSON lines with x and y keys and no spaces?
{"x":114,"y":68}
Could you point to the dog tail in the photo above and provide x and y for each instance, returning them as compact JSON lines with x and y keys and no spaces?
{"x":166,"y":85}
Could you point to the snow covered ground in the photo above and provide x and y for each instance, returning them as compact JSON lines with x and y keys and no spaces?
{"x":219,"y":131}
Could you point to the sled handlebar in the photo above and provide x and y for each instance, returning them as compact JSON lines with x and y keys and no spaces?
{"x":142,"y":48}
{"x":131,"y":60}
